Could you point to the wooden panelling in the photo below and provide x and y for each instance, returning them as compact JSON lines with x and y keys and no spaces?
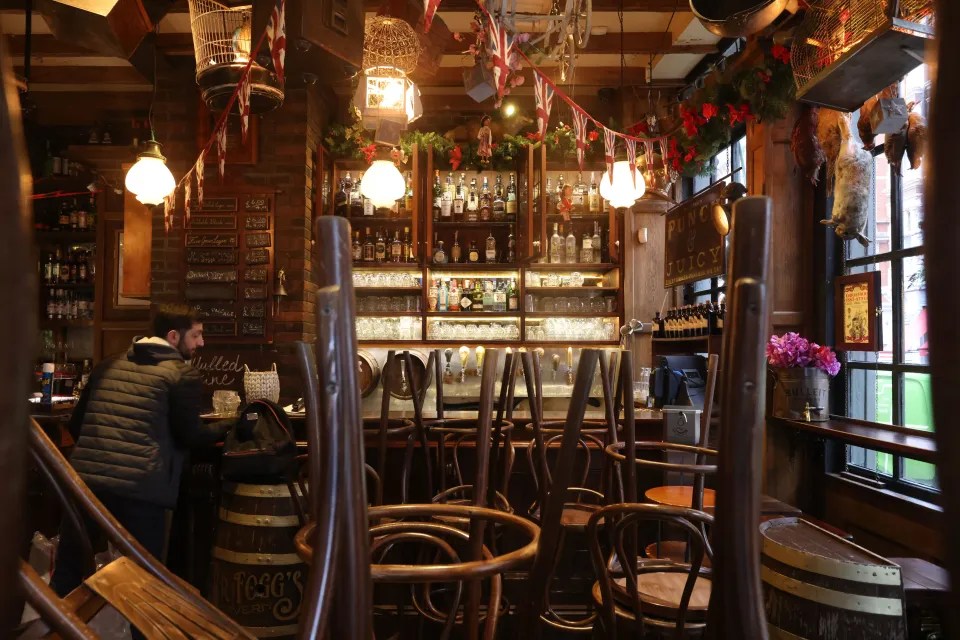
{"x":137,"y":243}
{"x":643,"y":291}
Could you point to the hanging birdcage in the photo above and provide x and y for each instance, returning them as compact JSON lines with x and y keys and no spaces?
{"x":221,"y":44}
{"x":846,"y":51}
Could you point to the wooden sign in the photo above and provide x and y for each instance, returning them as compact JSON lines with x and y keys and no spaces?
{"x":257,"y":256}
{"x":220,"y":328}
{"x":220,"y":205}
{"x":198,"y":221}
{"x":253,"y":310}
{"x":257,"y":240}
{"x":215,"y":310}
{"x":211,"y":275}
{"x":211,"y":256}
{"x":694,"y":247}
{"x":211,"y":292}
{"x":857,"y":312}
{"x":252,"y":328}
{"x":257,"y":223}
{"x":254,"y":293}
{"x":211,"y":240}
{"x":257,"y":203}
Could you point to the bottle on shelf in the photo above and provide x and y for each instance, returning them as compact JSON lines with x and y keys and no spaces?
{"x":81,"y":219}
{"x":551,"y":197}
{"x":488,"y":296}
{"x":499,"y":204}
{"x":369,"y":249}
{"x":473,"y":255}
{"x":510,"y":207}
{"x":580,"y":190}
{"x":63,"y":222}
{"x":51,"y":304}
{"x":446,"y":199}
{"x":453,"y":299}
{"x":477,"y":296}
{"x":443,"y":296}
{"x":408,"y":196}
{"x":341,"y":199}
{"x":586,"y":249}
{"x":486,"y":201}
{"x":380,"y":247}
{"x":368,"y":208}
{"x":559,"y":197}
{"x":511,"y":249}
{"x":458,"y":200}
{"x":396,"y":248}
{"x":456,"y":253}
{"x":433,"y":294}
{"x":570,"y":246}
{"x":65,"y":270}
{"x":490,"y":255}
{"x":356,"y":200}
{"x":593,"y":196}
{"x":513,"y":296}
{"x":556,"y":250}
{"x":407,"y":246}
{"x":437,"y":195}
{"x":499,"y":297}
{"x":658,"y":326}
{"x":597,"y":244}
{"x":473,"y":202}
{"x":720,"y":314}
{"x":439,"y":254}
{"x":466,"y":296}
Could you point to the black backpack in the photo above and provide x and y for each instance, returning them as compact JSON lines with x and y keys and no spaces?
{"x":261,"y":448}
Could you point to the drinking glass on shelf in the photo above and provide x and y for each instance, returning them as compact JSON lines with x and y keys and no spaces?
{"x":549,"y":304}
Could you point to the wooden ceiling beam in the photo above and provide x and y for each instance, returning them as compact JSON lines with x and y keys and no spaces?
{"x":582,"y":77}
{"x":171,"y":44}
{"x":598,"y":5}
{"x":94,"y":76}
{"x":640,"y":42}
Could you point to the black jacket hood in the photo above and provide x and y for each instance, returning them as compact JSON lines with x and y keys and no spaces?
{"x":152,"y":351}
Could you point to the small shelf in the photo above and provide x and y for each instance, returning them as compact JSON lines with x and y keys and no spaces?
{"x":388,"y":341}
{"x":53,"y":324}
{"x":388,"y":314}
{"x":387,"y":290}
{"x":572,"y":314}
{"x":43,"y":237}
{"x":354,"y":220}
{"x":65,"y":285}
{"x":689,"y":339}
{"x":480,"y":224}
{"x":389,"y":266}
{"x":473,"y":314}
{"x":570,"y":266}
{"x":565,"y":290}
{"x":475,"y":266}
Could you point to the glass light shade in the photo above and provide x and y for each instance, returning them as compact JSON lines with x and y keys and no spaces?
{"x":621,"y":191}
{"x":150,"y":179}
{"x":382,"y":183}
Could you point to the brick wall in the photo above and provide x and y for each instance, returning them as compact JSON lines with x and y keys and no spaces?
{"x":287,"y":148}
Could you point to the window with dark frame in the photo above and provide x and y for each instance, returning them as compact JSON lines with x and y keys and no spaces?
{"x":892,"y":386}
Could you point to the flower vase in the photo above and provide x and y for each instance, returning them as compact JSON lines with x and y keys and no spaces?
{"x":801,"y":393}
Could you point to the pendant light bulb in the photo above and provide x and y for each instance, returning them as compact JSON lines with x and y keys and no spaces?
{"x":382,"y":184}
{"x":622,"y":191}
{"x":150,"y":179}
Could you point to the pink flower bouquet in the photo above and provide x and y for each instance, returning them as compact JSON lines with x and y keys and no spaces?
{"x":793,"y":350}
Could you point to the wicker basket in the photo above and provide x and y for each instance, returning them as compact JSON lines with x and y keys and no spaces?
{"x":261,"y":385}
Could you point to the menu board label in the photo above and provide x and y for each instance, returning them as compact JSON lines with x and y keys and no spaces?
{"x":259,"y":203}
{"x":219,"y":204}
{"x":694,"y":247}
{"x":212,"y":222}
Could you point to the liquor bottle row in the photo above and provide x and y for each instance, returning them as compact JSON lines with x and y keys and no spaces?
{"x":458,"y":203}
{"x":487,"y":295}
{"x":68,"y":305}
{"x":75,"y":267}
{"x":565,"y":248}
{"x":350,"y":203}
{"x":576,"y":198}
{"x":58,"y":214}
{"x":382,"y":248}
{"x":456,"y":254}
{"x":691,"y":321}
{"x":55,"y":164}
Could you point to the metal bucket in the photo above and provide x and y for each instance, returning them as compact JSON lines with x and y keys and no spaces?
{"x":798,"y":390}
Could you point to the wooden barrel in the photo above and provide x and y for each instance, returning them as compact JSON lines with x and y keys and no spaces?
{"x":258,"y":579}
{"x":398,"y":385}
{"x":796,"y":388}
{"x":369,"y":372}
{"x":819,"y":586}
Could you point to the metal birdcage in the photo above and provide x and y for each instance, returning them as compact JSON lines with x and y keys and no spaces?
{"x":222,"y":41}
{"x":846,"y":51}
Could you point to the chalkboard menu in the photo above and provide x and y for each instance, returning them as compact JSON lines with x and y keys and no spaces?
{"x":228,"y":265}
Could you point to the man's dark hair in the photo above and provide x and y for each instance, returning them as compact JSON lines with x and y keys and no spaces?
{"x":173,"y":317}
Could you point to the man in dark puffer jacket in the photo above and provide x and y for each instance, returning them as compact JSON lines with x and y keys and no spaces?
{"x":133,"y":424}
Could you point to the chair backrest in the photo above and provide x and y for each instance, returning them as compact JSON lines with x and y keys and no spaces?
{"x":941,"y":235}
{"x":621,"y":523}
{"x":338,"y":598}
{"x":736,"y":602}
{"x":19,"y":293}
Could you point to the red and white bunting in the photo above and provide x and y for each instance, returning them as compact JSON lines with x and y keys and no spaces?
{"x":168,"y":211}
{"x":198,"y":171}
{"x":632,"y":157}
{"x":277,"y":38}
{"x":609,"y":150}
{"x":243,"y":102}
{"x":222,"y":149}
{"x":186,"y":200}
{"x":544,"y":94}
{"x":501,"y":45}
{"x":429,"y":10}
{"x":580,"y":133}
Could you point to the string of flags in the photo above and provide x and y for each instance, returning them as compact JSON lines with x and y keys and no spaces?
{"x":276,"y":39}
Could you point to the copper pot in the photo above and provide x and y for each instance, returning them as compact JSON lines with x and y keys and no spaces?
{"x":742,"y":17}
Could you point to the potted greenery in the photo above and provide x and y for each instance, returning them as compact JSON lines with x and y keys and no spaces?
{"x":802,"y":370}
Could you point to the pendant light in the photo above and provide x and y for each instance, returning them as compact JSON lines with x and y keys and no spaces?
{"x":627,"y":186}
{"x":150,"y":179}
{"x":382,"y":184}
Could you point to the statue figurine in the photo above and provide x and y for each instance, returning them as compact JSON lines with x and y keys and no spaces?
{"x":485,"y":138}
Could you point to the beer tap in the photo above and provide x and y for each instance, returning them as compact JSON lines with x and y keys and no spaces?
{"x":569,"y":365}
{"x":448,"y":372}
{"x":464,"y":354}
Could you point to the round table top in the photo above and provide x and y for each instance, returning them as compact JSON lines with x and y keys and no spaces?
{"x":679,"y":496}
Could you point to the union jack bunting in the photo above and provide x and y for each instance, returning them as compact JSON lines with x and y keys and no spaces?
{"x":609,"y":150}
{"x":243,"y":102}
{"x":632,"y":158}
{"x":277,"y":38}
{"x":429,"y":9}
{"x":186,"y":200}
{"x":198,"y":171}
{"x":501,"y":51}
{"x":222,"y":149}
{"x":580,"y":132}
{"x":168,"y":211}
{"x":544,"y":93}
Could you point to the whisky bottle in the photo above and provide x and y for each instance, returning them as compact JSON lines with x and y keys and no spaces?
{"x":511,"y":249}
{"x":499,"y":204}
{"x":473,"y":256}
{"x":490,"y":254}
{"x":486,"y":201}
{"x":570,"y":246}
{"x":437,"y":196}
{"x":396,"y":248}
{"x":513,"y":296}
{"x":407,"y":245}
{"x":473,"y":202}
{"x":446,"y":200}
{"x":458,"y":200}
{"x":380,"y":247}
{"x":357,"y":247}
{"x":408,"y":197}
{"x":580,"y":195}
{"x":510,"y":207}
{"x":455,"y":251}
{"x":593,"y":197}
{"x":439,"y":254}
{"x":556,"y":253}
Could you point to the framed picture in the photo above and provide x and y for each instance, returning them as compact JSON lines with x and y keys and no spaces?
{"x":857,"y":312}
